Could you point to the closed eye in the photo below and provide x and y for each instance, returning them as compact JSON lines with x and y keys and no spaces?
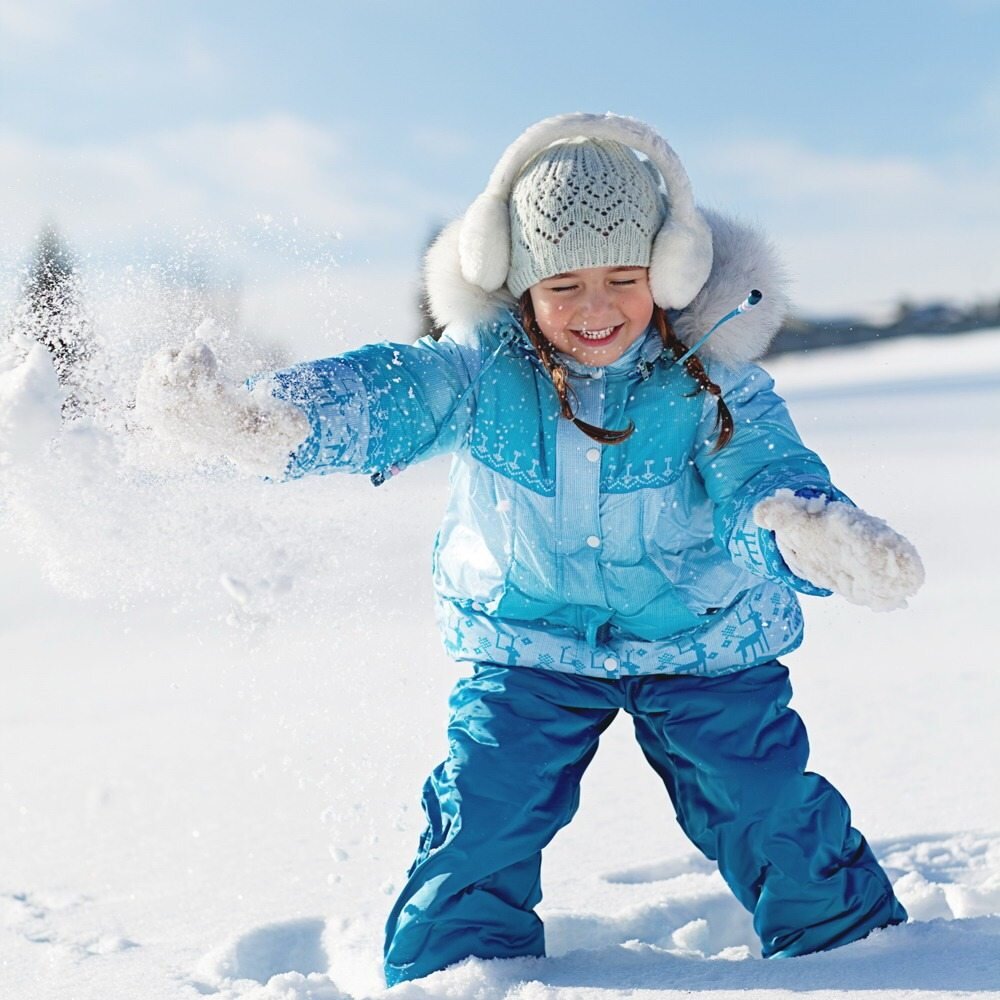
{"x":625,"y":281}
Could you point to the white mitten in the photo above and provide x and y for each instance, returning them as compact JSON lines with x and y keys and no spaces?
{"x":182,"y":397}
{"x":841,"y":548}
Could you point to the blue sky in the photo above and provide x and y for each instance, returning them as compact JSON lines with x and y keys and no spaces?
{"x":270,"y":138}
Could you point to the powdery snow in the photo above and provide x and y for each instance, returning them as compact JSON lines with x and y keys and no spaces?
{"x":182,"y":396}
{"x":30,"y":399}
{"x":221,"y":697}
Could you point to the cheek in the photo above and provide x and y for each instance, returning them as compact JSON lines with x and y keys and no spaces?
{"x":641,"y":309}
{"x":549,"y":316}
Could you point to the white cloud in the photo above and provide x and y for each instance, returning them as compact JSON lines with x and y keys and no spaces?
{"x":203,"y":178}
{"x":40,"y":22}
{"x":789,"y":171}
{"x":275,"y":206}
{"x":441,"y":143}
{"x":860,"y":231}
{"x":265,"y":198}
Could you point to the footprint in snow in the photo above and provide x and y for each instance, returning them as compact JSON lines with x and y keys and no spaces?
{"x":287,"y":957}
{"x":687,"y":910}
{"x":948,"y":877}
{"x":36,"y":917}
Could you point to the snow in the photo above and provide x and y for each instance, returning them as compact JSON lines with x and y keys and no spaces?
{"x":30,"y":399}
{"x":183,"y":396}
{"x":220,"y":698}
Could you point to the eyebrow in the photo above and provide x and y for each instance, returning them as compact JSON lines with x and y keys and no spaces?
{"x":615,"y":270}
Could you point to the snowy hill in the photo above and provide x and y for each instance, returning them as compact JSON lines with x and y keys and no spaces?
{"x":220,"y":699}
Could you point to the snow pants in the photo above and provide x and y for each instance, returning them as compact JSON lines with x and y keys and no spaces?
{"x":732,"y":756}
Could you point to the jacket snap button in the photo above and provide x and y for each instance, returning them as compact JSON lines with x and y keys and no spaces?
{"x":610,"y":663}
{"x":593,"y":454}
{"x":593,"y":541}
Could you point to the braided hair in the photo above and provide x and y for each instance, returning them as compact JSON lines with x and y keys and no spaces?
{"x":560,"y":377}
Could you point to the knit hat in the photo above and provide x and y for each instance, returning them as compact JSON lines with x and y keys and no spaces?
{"x":582,"y":203}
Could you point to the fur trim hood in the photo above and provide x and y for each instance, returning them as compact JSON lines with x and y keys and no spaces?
{"x":742,"y":259}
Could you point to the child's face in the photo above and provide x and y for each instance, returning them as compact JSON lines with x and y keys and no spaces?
{"x":595,"y":314}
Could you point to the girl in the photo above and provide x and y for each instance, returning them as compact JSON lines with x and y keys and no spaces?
{"x":631,"y":514}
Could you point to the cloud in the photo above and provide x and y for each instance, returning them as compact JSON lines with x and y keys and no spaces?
{"x":441,"y":143}
{"x":222,"y":177}
{"x":786,"y":170}
{"x":41,"y":23}
{"x":275,"y":207}
{"x":270,"y":198}
{"x":861,"y":231}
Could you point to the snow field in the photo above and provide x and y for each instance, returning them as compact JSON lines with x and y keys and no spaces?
{"x":220,"y":699}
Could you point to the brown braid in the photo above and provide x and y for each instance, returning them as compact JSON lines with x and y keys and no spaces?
{"x":694,"y":368}
{"x":560,"y":377}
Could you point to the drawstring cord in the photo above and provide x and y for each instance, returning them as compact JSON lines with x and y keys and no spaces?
{"x":748,"y":303}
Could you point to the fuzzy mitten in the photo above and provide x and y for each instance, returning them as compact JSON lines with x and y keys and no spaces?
{"x":840,"y":547}
{"x":183,"y":398}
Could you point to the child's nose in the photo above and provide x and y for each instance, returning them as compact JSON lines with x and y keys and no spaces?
{"x":595,"y":301}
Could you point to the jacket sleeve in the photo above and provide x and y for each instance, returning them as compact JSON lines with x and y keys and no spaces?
{"x":765,"y":454}
{"x":383,"y":406}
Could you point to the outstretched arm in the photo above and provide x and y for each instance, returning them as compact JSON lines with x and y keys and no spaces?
{"x":381,"y":406}
{"x":780,"y":516}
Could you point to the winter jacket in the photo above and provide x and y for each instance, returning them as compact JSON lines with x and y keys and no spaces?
{"x":559,"y":552}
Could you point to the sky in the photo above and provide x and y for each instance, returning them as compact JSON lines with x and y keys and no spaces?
{"x":304,"y":152}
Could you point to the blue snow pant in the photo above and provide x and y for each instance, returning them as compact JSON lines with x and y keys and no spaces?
{"x":732,"y":755}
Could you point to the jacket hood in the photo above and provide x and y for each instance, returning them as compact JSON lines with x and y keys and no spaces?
{"x":742,"y":259}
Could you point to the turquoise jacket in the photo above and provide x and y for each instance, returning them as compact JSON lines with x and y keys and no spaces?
{"x":558,"y":552}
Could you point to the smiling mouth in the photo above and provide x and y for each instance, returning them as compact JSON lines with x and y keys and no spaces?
{"x":597,"y":337}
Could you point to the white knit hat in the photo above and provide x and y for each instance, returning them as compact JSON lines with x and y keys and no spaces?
{"x":582,"y":203}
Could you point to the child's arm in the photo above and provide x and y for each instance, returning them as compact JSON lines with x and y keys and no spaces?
{"x":774,"y":499}
{"x":382,"y":406}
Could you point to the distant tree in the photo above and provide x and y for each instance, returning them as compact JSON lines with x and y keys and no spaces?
{"x":52,"y":313}
{"x":904,"y":311}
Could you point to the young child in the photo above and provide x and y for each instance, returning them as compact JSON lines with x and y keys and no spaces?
{"x":631,"y":514}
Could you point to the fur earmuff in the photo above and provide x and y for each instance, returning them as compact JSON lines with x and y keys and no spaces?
{"x":681,"y":262}
{"x":484,"y":242}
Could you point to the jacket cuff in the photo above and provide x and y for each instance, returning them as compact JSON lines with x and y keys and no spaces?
{"x":331,"y":395}
{"x":755,"y":548}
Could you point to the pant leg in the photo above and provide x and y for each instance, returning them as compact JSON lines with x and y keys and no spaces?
{"x":520,"y":740}
{"x":732,"y":755}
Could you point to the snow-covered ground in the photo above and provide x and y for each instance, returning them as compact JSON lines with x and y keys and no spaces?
{"x":219,"y":699}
